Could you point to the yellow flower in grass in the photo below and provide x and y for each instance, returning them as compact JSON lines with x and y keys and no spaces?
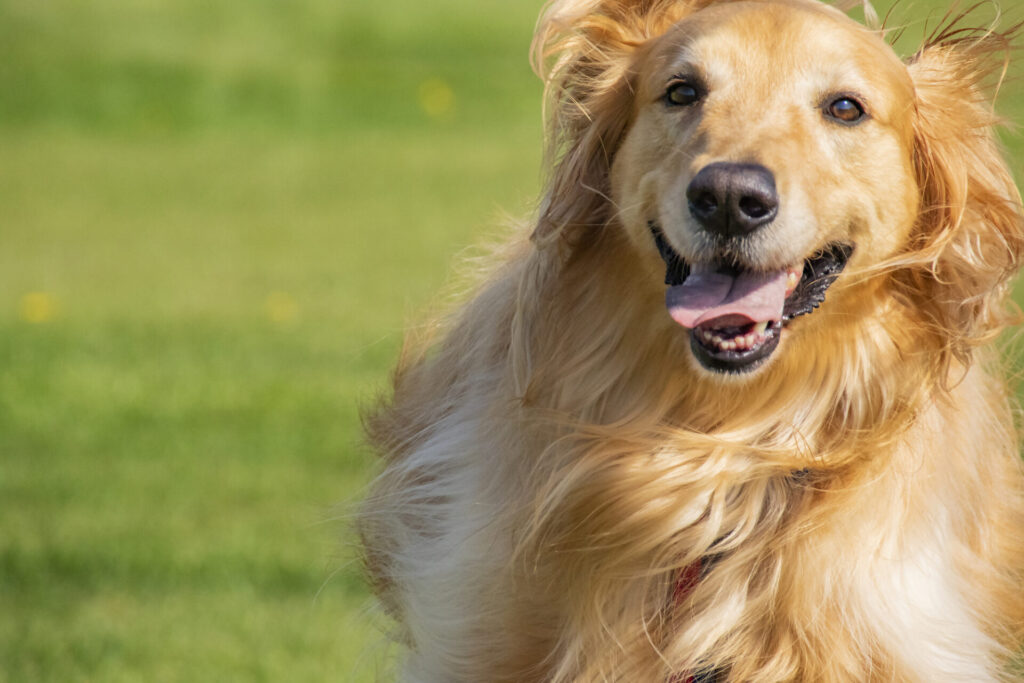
{"x":437,"y":99}
{"x":280,"y":308}
{"x":38,"y":307}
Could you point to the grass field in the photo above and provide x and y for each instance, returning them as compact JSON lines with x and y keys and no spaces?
{"x":215,"y":218}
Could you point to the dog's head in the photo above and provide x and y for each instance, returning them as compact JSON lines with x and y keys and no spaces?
{"x":764,"y":155}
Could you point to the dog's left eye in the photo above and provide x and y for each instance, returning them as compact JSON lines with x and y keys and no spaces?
{"x":845,"y":110}
{"x":682,"y":94}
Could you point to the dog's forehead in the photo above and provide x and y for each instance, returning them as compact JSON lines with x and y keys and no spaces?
{"x":778,"y":40}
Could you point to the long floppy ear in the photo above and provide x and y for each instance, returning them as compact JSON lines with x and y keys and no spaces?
{"x":970,"y":234}
{"x":584,"y":51}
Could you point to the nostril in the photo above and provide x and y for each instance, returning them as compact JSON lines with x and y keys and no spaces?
{"x":754,"y":207}
{"x":704,"y":203}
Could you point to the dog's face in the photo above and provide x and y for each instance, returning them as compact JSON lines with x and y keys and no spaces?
{"x":770,"y":142}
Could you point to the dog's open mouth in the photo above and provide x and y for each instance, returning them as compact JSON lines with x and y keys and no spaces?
{"x":736,"y":316}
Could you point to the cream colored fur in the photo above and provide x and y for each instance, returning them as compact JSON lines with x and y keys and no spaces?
{"x":554,"y":458}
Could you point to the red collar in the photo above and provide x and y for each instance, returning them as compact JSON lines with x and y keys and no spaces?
{"x":685,"y":584}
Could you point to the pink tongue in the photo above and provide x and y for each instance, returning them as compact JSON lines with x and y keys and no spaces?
{"x":748,"y":297}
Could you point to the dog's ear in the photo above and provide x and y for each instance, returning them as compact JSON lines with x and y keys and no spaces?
{"x":585,"y":52}
{"x":969,"y":237}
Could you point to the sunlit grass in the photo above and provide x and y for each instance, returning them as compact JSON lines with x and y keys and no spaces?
{"x":176,"y":437}
{"x":215,"y":220}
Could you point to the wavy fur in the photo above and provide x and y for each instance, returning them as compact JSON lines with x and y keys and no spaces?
{"x":552,"y":462}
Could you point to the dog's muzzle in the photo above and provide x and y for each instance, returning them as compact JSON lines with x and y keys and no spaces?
{"x":736,"y":316}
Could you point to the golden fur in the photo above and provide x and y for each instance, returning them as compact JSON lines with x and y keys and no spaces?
{"x":554,"y":458}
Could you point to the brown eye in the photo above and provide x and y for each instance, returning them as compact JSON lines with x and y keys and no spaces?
{"x":681,"y":94}
{"x":845,"y":110}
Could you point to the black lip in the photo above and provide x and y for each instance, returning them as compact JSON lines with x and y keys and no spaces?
{"x":736,"y":362}
{"x":676,"y":269}
{"x":820,"y":271}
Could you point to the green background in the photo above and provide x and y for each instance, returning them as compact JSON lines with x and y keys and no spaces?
{"x":216,"y":217}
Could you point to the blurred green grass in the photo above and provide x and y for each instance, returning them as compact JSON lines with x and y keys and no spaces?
{"x":215,"y":218}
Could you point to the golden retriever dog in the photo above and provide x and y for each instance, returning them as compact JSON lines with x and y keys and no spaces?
{"x":729,"y":409}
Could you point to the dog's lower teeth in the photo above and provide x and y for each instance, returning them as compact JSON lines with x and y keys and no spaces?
{"x":754,"y":337}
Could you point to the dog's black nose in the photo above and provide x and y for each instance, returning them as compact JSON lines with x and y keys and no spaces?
{"x":733,"y":200}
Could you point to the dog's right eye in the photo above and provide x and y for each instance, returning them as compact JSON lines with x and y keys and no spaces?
{"x":681,"y":94}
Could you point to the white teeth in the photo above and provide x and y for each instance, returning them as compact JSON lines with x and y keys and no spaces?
{"x":792,"y":280}
{"x":744,"y":342}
